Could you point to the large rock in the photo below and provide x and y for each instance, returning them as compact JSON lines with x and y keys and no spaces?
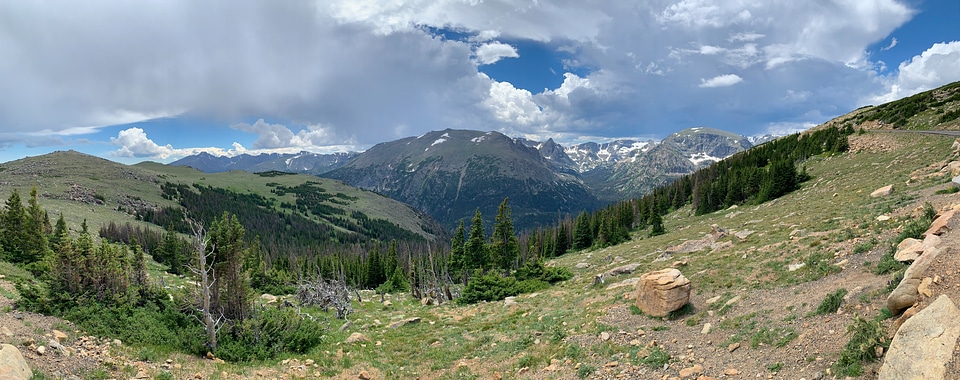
{"x":905,"y":295}
{"x":924,"y":344}
{"x":882,"y":192}
{"x":940,"y":224}
{"x":662,"y":291}
{"x":12,"y":364}
{"x":623,"y":269}
{"x":910,"y":249}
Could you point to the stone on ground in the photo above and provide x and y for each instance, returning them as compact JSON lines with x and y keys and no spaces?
{"x":882,"y":192}
{"x":662,"y":291}
{"x":12,"y":364}
{"x":924,"y":344}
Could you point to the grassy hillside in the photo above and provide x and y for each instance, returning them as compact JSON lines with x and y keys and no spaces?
{"x":100,"y":191}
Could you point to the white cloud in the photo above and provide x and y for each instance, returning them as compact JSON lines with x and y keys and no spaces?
{"x":935,"y":67}
{"x":893,"y":43}
{"x":513,"y":105}
{"x":133,"y":142}
{"x":277,"y":136}
{"x":720,"y":81}
{"x":492,"y":52}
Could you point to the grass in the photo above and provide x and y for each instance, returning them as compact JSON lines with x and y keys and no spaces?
{"x":831,"y":303}
{"x":656,"y":358}
{"x":865,"y":336}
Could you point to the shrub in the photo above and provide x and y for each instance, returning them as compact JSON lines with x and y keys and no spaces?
{"x":831,"y":302}
{"x":488,"y":287}
{"x":265,"y":336}
{"x":656,"y":358}
{"x":865,"y":337}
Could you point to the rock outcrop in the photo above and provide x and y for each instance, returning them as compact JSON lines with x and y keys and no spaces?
{"x":924,"y":344}
{"x":662,"y":291}
{"x":12,"y":364}
{"x":910,"y":249}
{"x":905,"y":295}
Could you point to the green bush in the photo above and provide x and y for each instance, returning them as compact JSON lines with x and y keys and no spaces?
{"x":268,"y":334}
{"x":488,"y":287}
{"x":656,"y":358}
{"x":831,"y":302}
{"x":865,"y":337}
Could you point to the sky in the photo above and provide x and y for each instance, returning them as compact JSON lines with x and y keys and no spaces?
{"x":162,"y":79}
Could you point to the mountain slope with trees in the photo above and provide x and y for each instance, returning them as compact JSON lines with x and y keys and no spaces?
{"x":451,"y":173}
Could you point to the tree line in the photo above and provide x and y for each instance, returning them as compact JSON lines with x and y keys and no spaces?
{"x":754,"y":176}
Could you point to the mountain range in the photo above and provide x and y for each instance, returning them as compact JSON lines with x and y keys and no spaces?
{"x":449,"y":174}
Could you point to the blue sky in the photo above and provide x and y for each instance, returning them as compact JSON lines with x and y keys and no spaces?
{"x":160,"y":80}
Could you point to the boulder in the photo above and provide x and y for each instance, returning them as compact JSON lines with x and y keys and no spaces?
{"x":882,"y":192}
{"x":662,"y":291}
{"x":911,"y":249}
{"x":12,"y":364}
{"x":402,"y":322}
{"x":623,"y":269}
{"x":268,"y":298}
{"x":908,"y":250}
{"x":939,"y":225}
{"x":904,"y":296}
{"x":356,"y":337}
{"x":954,"y":168}
{"x":924,"y":345}
{"x":956,"y":181}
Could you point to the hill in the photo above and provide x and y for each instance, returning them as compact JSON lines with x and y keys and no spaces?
{"x":100,"y":191}
{"x":451,"y":173}
{"x":303,"y":162}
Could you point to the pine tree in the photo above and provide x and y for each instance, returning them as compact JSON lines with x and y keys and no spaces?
{"x":35,"y":240}
{"x":475,"y":250}
{"x":582,"y":234}
{"x":504,"y":247}
{"x":375,"y":272}
{"x":656,"y":224}
{"x":13,"y":223}
{"x":233,"y":292}
{"x":170,"y":251}
{"x":457,"y":260}
{"x":562,"y":244}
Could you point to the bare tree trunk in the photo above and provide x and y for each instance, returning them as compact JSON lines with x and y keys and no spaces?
{"x":207,"y":281}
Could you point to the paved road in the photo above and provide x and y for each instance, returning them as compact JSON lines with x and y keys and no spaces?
{"x":924,"y":131}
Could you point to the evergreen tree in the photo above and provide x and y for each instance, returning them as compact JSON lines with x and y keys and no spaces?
{"x":458,"y":259}
{"x":14,"y":220}
{"x":170,"y":251}
{"x":475,"y":250}
{"x":656,"y":224}
{"x":582,"y":234}
{"x":59,"y":231}
{"x":504,"y":247}
{"x":35,"y":239}
{"x":376,"y":275}
{"x":232,"y":293}
{"x":562,"y":244}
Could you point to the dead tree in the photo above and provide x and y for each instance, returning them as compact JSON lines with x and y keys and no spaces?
{"x":207,"y":281}
{"x":325,"y":294}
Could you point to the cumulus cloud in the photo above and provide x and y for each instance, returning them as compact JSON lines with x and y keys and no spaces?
{"x":492,"y":52}
{"x":277,"y":136}
{"x":935,"y":67}
{"x":357,"y":72}
{"x":133,"y":142}
{"x":721,"y":81}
